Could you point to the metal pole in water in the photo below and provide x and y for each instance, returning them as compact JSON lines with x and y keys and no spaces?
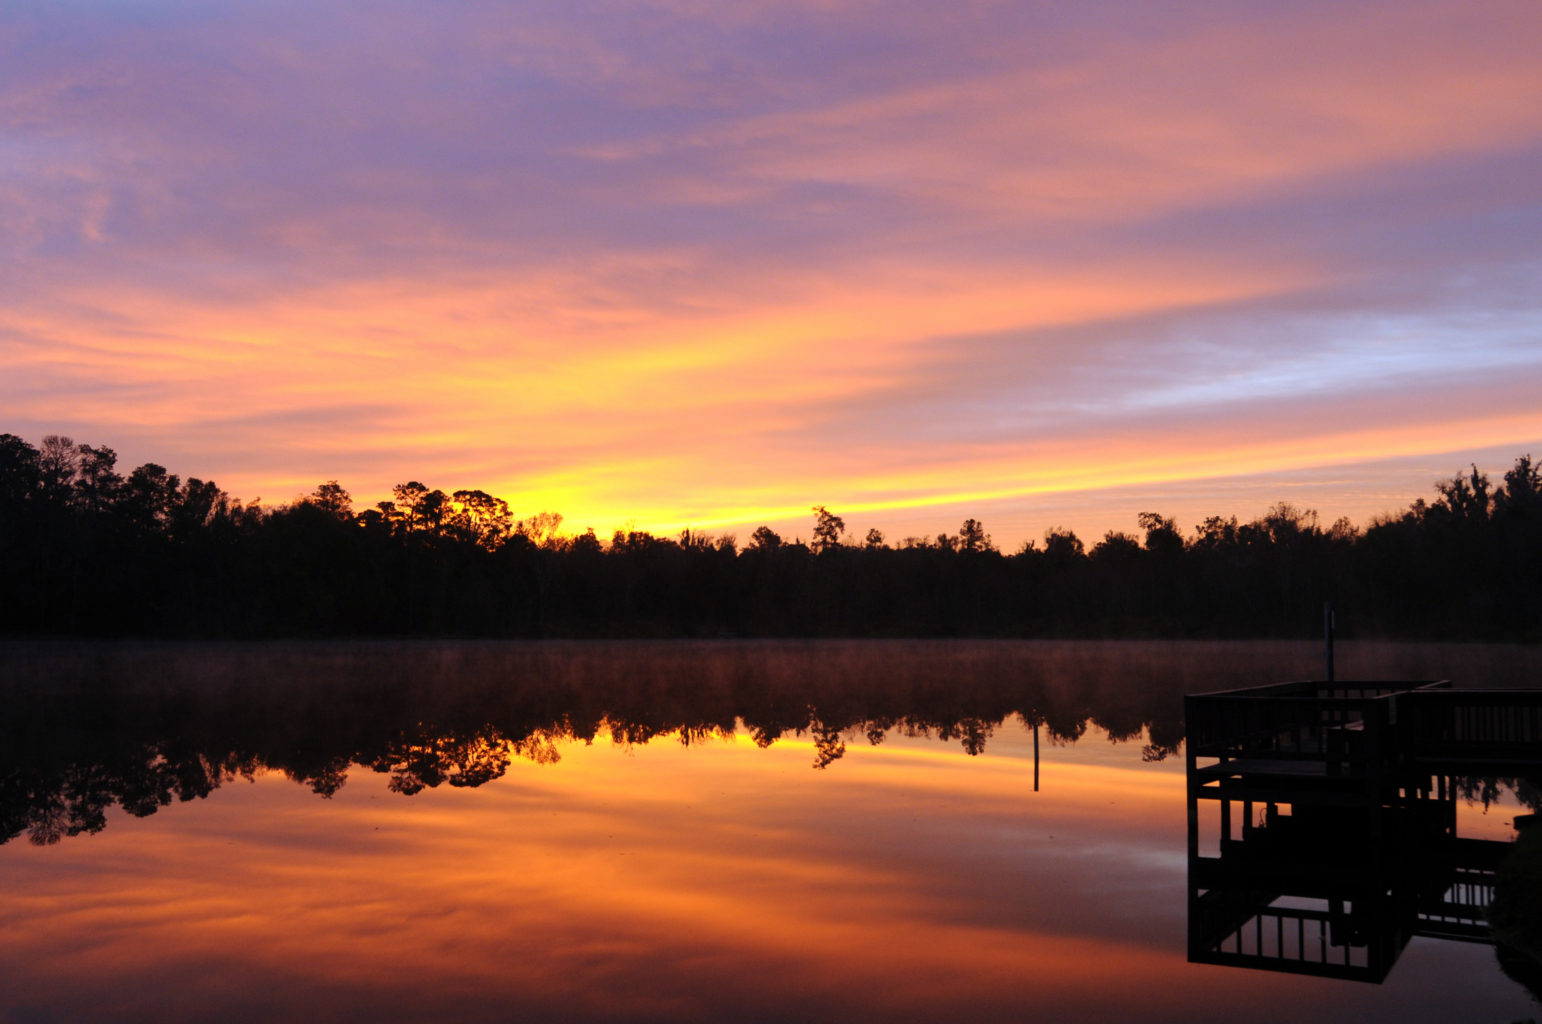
{"x":1327,"y":638}
{"x":1036,"y":755}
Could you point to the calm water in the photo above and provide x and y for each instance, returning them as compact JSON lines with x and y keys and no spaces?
{"x":662,"y":831}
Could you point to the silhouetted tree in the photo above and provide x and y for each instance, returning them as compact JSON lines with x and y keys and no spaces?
{"x":973,"y":538}
{"x":86,"y":550}
{"x":828,"y":528}
{"x":765,"y":539}
{"x":331,"y":498}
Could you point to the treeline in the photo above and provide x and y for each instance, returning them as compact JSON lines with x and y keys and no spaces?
{"x":88,"y":550}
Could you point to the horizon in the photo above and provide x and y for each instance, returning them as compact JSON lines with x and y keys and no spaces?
{"x":798,"y":528}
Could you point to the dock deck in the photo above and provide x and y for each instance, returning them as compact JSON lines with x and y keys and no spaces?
{"x":1332,"y":830}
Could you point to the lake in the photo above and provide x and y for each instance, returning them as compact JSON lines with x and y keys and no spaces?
{"x":654,"y":831}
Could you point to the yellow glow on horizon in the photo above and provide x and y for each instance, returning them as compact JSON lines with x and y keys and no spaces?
{"x":622,"y":417}
{"x":1065,"y":472}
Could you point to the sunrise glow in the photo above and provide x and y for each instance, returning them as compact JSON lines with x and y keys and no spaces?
{"x":665,"y":266}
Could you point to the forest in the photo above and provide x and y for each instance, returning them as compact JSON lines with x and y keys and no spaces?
{"x":87,"y":550}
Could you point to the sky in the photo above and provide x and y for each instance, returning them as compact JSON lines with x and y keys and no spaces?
{"x":676,"y":263}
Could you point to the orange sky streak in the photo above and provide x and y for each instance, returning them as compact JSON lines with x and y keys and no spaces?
{"x":1051,"y":263}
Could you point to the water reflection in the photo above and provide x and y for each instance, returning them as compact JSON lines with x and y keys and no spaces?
{"x":587,"y":841}
{"x":1332,"y":836}
{"x":169,"y":724}
{"x":1314,"y":889}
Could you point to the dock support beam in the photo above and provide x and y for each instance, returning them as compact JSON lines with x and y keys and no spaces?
{"x":1327,"y":639}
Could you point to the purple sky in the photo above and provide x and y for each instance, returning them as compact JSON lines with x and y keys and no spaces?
{"x":700,"y":264}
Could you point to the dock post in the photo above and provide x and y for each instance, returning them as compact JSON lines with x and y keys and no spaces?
{"x":1191,"y":787}
{"x":1035,"y":753}
{"x":1327,"y":639}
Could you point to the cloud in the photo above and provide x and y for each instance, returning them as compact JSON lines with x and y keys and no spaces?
{"x":662,"y":259}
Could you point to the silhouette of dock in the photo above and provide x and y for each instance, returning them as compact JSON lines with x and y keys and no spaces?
{"x":1322,"y":824}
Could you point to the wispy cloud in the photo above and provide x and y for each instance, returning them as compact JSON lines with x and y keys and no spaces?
{"x":668,"y":262}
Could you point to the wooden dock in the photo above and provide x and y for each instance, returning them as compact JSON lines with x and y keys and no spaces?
{"x":1322,"y":819}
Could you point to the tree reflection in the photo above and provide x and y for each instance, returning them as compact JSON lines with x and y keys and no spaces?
{"x":429,"y":759}
{"x":828,"y":745}
{"x":86,"y":729}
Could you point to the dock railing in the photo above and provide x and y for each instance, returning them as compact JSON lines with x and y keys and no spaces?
{"x":1486,"y":731}
{"x":1304,"y":728}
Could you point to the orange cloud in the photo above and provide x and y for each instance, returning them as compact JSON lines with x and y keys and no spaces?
{"x":1056,"y":256}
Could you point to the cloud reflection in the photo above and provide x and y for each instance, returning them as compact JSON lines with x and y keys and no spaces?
{"x":637,"y":876}
{"x":650,"y":883}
